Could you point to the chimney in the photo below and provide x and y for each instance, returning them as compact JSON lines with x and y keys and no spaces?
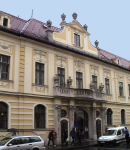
{"x":49,"y":31}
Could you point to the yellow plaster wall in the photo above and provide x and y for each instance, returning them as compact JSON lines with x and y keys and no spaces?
{"x":61,"y":35}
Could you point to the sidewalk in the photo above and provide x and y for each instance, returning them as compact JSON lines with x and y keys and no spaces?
{"x":85,"y":143}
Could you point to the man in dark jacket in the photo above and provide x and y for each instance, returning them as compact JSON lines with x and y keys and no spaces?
{"x":126,"y":132}
{"x":65,"y":136}
{"x":50,"y":136}
{"x":72,"y":134}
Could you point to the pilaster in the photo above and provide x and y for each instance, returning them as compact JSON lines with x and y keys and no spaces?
{"x":94,"y":109}
{"x":57,"y":117}
{"x":103,"y":111}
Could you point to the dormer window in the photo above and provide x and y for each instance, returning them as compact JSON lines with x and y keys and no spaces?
{"x":5,"y":22}
{"x":76,"y":39}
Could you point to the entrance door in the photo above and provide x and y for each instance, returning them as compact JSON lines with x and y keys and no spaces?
{"x":98,"y":126}
{"x":81,"y":121}
{"x":64,"y":125}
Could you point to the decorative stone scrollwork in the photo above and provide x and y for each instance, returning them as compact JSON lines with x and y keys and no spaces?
{"x":61,"y":61}
{"x":69,"y":82}
{"x":101,"y":87}
{"x":92,"y":86}
{"x":56,"y":80}
{"x":40,"y":56}
{"x":94,"y":70}
{"x":4,"y":46}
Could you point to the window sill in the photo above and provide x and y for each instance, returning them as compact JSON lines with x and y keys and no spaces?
{"x":108,"y":94}
{"x":121,"y":96}
{"x":39,"y":85}
{"x":9,"y":81}
{"x":77,"y":46}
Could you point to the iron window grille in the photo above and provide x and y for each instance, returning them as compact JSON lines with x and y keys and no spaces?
{"x":76,"y":39}
{"x":3,"y":116}
{"x":4,"y":67}
{"x":39,"y":73}
{"x":122,"y":116}
{"x":94,"y":79}
{"x":79,"y":80}
{"x":107,"y":86}
{"x":61,"y":75}
{"x":39,"y":116}
{"x":121,"y":88}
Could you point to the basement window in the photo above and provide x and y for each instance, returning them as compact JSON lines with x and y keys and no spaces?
{"x":5,"y":22}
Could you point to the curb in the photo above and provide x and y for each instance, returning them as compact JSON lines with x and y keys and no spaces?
{"x":76,"y":147}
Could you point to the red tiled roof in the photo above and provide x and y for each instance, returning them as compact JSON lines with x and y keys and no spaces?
{"x":36,"y":29}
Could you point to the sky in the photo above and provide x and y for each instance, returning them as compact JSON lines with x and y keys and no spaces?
{"x":108,"y":21}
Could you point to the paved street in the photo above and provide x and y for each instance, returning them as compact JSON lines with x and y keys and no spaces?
{"x":121,"y":146}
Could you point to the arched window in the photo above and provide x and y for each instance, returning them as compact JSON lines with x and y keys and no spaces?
{"x":122,"y":116}
{"x":3,"y":115}
{"x":109,"y":116}
{"x":39,"y":116}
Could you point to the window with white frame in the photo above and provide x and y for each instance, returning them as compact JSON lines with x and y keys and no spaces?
{"x":4,"y":67}
{"x":79,"y":80}
{"x":61,"y":75}
{"x":107,"y":86}
{"x":121,"y":89}
{"x":39,"y":73}
{"x":94,"y":79}
{"x":76,"y":39}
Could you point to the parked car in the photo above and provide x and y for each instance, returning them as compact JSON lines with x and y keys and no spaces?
{"x":112,"y":135}
{"x":22,"y":143}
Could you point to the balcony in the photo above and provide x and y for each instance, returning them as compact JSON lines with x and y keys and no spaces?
{"x":78,"y":94}
{"x":86,"y":94}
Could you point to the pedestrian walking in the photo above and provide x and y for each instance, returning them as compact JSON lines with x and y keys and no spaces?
{"x":72,"y":134}
{"x":126,"y":132}
{"x":83,"y":134}
{"x":50,"y":136}
{"x":65,"y":136}
{"x":79,"y":137}
{"x":15,"y":134}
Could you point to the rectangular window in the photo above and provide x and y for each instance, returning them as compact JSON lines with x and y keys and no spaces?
{"x":76,"y":39}
{"x":5,"y":22}
{"x":94,"y":79}
{"x":79,"y":80}
{"x":61,"y":75}
{"x":4,"y":67}
{"x":107,"y":86}
{"x":39,"y":73}
{"x":129,"y":89}
{"x":121,"y":88}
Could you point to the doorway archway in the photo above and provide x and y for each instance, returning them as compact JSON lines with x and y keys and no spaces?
{"x":64,"y":125}
{"x":81,"y":121}
{"x":98,"y":127}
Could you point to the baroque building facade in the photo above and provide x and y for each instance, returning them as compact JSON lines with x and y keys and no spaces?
{"x":54,"y":78}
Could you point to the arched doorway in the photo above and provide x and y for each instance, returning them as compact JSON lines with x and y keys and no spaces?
{"x":98,"y":127}
{"x":81,"y":121}
{"x":64,"y":125}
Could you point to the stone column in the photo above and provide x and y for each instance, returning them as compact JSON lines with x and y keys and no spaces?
{"x":94,"y":109}
{"x":71,"y":117}
{"x":57,"y":116}
{"x":103,"y":112}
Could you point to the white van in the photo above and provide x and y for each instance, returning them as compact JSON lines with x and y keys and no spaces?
{"x":112,"y":135}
